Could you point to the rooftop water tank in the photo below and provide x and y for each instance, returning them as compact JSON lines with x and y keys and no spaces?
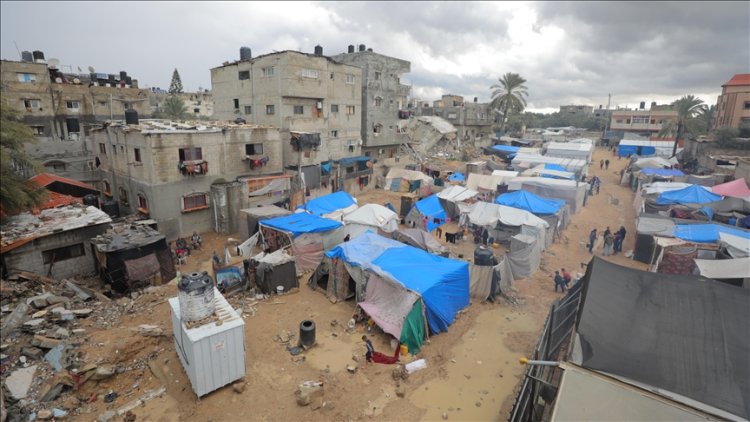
{"x":362,"y":47}
{"x":131,"y":117}
{"x":26,"y":56}
{"x":196,"y":296}
{"x":91,"y":199}
{"x":111,"y":208}
{"x":318,"y":50}
{"x":351,"y":49}
{"x":38,"y":56}
{"x":246,"y":53}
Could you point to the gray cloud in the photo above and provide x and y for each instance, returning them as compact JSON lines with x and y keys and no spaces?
{"x":575,"y":52}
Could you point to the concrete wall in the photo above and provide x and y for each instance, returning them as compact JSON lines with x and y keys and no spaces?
{"x":198,"y":104}
{"x":730,"y":107}
{"x":75,"y":156}
{"x":29,"y":256}
{"x":624,"y":120}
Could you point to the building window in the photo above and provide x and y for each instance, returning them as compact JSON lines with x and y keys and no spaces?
{"x":267,"y":71}
{"x":26,"y":77}
{"x":236,"y":102}
{"x":377,"y":129}
{"x":334,"y":108}
{"x":38,"y":130}
{"x":137,"y":154}
{"x":627,"y":121}
{"x":248,"y":109}
{"x":309,"y":73}
{"x":350,"y":110}
{"x":142,"y":203}
{"x":378,"y":101}
{"x":351,"y":148}
{"x":377,"y":76}
{"x":334,"y":134}
{"x":62,"y":254}
{"x":619,"y":120}
{"x":244,"y":75}
{"x":451,"y":115}
{"x":107,"y":188}
{"x":270,"y":109}
{"x":350,"y":79}
{"x":194,"y":202}
{"x":640,"y":119}
{"x":32,"y":104}
{"x":102,"y":148}
{"x":73,"y":125}
{"x":73,"y":105}
{"x":196,"y":110}
{"x":191,"y":154}
{"x":747,"y":105}
{"x":253,"y":149}
{"x":122,"y":194}
{"x":298,"y":109}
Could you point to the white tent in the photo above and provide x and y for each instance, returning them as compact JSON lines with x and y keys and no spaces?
{"x":398,"y":179}
{"x":456,"y":193}
{"x":488,"y":214}
{"x":577,"y":150}
{"x":737,"y":247}
{"x":571,"y":191}
{"x":373,"y":216}
{"x":505,"y":173}
{"x":486,"y":182}
{"x":654,"y":163}
{"x":724,"y":268}
{"x":541,"y":171}
{"x":525,"y":161}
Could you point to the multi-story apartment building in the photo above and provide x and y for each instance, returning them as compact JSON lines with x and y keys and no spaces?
{"x":296,"y":92}
{"x":384,"y":100}
{"x":641,"y":121}
{"x":733,"y":105}
{"x":199,"y":104}
{"x":578,"y":110}
{"x":473,"y":121}
{"x":166,"y":169}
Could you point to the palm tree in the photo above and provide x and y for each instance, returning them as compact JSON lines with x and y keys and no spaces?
{"x":174,"y":107}
{"x":687,"y":108}
{"x":508,"y":96}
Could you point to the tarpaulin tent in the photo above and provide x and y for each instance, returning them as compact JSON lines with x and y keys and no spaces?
{"x":250,"y":217}
{"x":628,"y":147}
{"x":653,"y":162}
{"x":528,"y":201}
{"x":736,"y":189}
{"x":693,"y":194}
{"x":403,"y":180}
{"x":578,"y":150}
{"x":401,"y":275}
{"x":487,"y":182}
{"x":571,"y":191}
{"x":374,"y":217}
{"x":707,"y":233}
{"x":333,"y":206}
{"x":451,"y":196}
{"x":724,"y":268}
{"x":662,"y":172}
{"x":457,"y":177}
{"x":430,"y":209}
{"x":504,"y":222}
{"x":506,"y":152}
{"x":526,"y":161}
{"x":683,"y":336}
{"x":419,"y":239}
{"x":274,"y":269}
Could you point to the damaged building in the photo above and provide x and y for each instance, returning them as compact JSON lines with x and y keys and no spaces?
{"x":429,"y":135}
{"x":473,"y":120}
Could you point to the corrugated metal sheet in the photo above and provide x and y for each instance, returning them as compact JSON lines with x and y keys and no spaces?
{"x":213,"y":356}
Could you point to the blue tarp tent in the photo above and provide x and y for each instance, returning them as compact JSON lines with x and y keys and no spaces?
{"x":662,"y":172}
{"x":301,"y":223}
{"x":534,"y":204}
{"x":693,"y":194}
{"x":350,"y":160}
{"x":550,"y":166}
{"x":430,"y":207}
{"x":456,"y":177}
{"x":442,"y":283}
{"x":506,"y":150}
{"x":328,"y":204}
{"x":627,"y":150}
{"x":706,"y":233}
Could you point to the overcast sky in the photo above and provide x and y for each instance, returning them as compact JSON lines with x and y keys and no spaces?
{"x":570,"y":53}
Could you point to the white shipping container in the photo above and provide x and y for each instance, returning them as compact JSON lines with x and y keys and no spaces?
{"x":212,"y":355}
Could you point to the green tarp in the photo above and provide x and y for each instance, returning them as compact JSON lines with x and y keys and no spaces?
{"x":413,"y":333}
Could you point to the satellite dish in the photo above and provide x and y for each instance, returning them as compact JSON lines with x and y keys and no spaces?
{"x":53,"y":62}
{"x":91,"y":69}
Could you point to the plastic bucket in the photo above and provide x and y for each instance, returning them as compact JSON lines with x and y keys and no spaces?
{"x":279,"y":290}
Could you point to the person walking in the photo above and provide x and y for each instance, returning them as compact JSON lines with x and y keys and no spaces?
{"x":566,"y":278}
{"x":592,"y":241}
{"x":622,"y":233}
{"x":559,"y":282}
{"x":485,"y":237}
{"x":606,"y":164}
{"x":608,"y":244}
{"x":601,"y":164}
{"x":597,"y":184}
{"x":607,"y":231}
{"x":617,"y":243}
{"x":370,"y":349}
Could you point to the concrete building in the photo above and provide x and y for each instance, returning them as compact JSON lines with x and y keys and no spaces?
{"x":384,"y":100}
{"x":643,"y":122}
{"x":55,"y":243}
{"x":473,"y":120}
{"x":166,"y":170}
{"x":577,"y":110}
{"x":733,"y":105}
{"x":296,"y":92}
{"x":199,"y":104}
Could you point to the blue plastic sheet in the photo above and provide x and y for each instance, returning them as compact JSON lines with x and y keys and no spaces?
{"x":693,"y":194}
{"x":662,"y":172}
{"x":351,"y":160}
{"x":457,"y":177}
{"x":550,"y":166}
{"x":430,"y":207}
{"x":506,"y":148}
{"x":626,"y":150}
{"x":325,"y":167}
{"x":706,"y":233}
{"x":328,"y":203}
{"x":528,"y":201}
{"x":301,"y":223}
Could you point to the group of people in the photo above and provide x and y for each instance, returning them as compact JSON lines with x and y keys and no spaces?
{"x":596,"y":183}
{"x":562,"y":280}
{"x":604,"y":164}
{"x":612,"y":241}
{"x":181,"y":249}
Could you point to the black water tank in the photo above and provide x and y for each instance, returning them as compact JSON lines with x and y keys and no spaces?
{"x":131,"y":117}
{"x":476,"y":99}
{"x":246,"y":53}
{"x":37,"y":55}
{"x":362,"y":47}
{"x":26,"y":56}
{"x":351,"y":49}
{"x":370,"y":50}
{"x":111,"y":208}
{"x":318,"y":50}
{"x":123,"y":75}
{"x":643,"y":105}
{"x":128,"y":80}
{"x":91,"y":199}
{"x":111,"y":78}
{"x":307,"y":333}
{"x":483,"y":256}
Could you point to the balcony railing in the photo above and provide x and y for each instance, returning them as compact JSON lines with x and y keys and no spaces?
{"x":193,"y":167}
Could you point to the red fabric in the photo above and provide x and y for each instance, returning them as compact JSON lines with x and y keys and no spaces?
{"x":378,"y":357}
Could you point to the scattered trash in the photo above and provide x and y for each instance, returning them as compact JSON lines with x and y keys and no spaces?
{"x":309,"y":391}
{"x":351,"y":368}
{"x":415,"y":366}
{"x":109,"y":398}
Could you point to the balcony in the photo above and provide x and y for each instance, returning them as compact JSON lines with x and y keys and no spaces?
{"x":193,"y":167}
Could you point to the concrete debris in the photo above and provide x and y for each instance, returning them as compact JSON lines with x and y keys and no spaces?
{"x":44,"y":414}
{"x":351,"y":368}
{"x":308,"y":391}
{"x":82,"y":313}
{"x":34,"y":323}
{"x":59,"y":413}
{"x":44,"y":342}
{"x":15,"y":318}
{"x":103,"y":372}
{"x":147,"y":330}
{"x":39,"y":301}
{"x":32,"y":352}
{"x":55,"y":357}
{"x":53,"y":391}
{"x":62,"y":333}
{"x":19,"y":382}
{"x":39,"y":314}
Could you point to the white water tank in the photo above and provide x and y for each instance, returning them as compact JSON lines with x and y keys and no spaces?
{"x":196,"y":294}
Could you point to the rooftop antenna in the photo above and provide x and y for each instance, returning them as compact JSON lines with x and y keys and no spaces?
{"x":19,"y":51}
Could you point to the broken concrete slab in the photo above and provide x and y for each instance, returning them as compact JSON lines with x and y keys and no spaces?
{"x":39,"y":301}
{"x":15,"y":319}
{"x":53,"y":391}
{"x":32,"y":352}
{"x":82,"y":313}
{"x":19,"y":382}
{"x":62,"y":333}
{"x":39,"y":314}
{"x":34,"y":323}
{"x":44,"y":342}
{"x":53,"y":300}
{"x":55,"y":357}
{"x":103,"y":372}
{"x":148,"y":330}
{"x":80,"y":292}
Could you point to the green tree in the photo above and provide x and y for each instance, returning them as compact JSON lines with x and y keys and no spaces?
{"x":16,"y":194}
{"x":176,"y":86}
{"x":509,"y":96}
{"x":687,"y":108}
{"x":704,"y":119}
{"x":174,"y":108}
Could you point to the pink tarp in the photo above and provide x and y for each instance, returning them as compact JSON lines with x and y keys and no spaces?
{"x":388,"y":304}
{"x":308,"y":252}
{"x":736,"y":188}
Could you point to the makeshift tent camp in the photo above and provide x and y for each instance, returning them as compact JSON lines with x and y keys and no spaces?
{"x":332,"y":206}
{"x":371,"y":217}
{"x":430,"y":209}
{"x":553,"y":171}
{"x":692,"y":194}
{"x":628,"y":147}
{"x":662,"y":173}
{"x":249,"y":218}
{"x":402,"y":180}
{"x":487,"y":182}
{"x":571,"y":191}
{"x":736,"y":189}
{"x":451,"y":196}
{"x":503,"y":222}
{"x":271,"y":270}
{"x":457,"y":177}
{"x":578,"y":150}
{"x":419,"y":239}
{"x":401,"y":282}
{"x":526,"y":161}
{"x":307,"y":235}
{"x":532,"y":203}
{"x":683,"y":336}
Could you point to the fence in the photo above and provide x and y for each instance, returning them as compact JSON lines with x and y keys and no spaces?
{"x":538,"y":378}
